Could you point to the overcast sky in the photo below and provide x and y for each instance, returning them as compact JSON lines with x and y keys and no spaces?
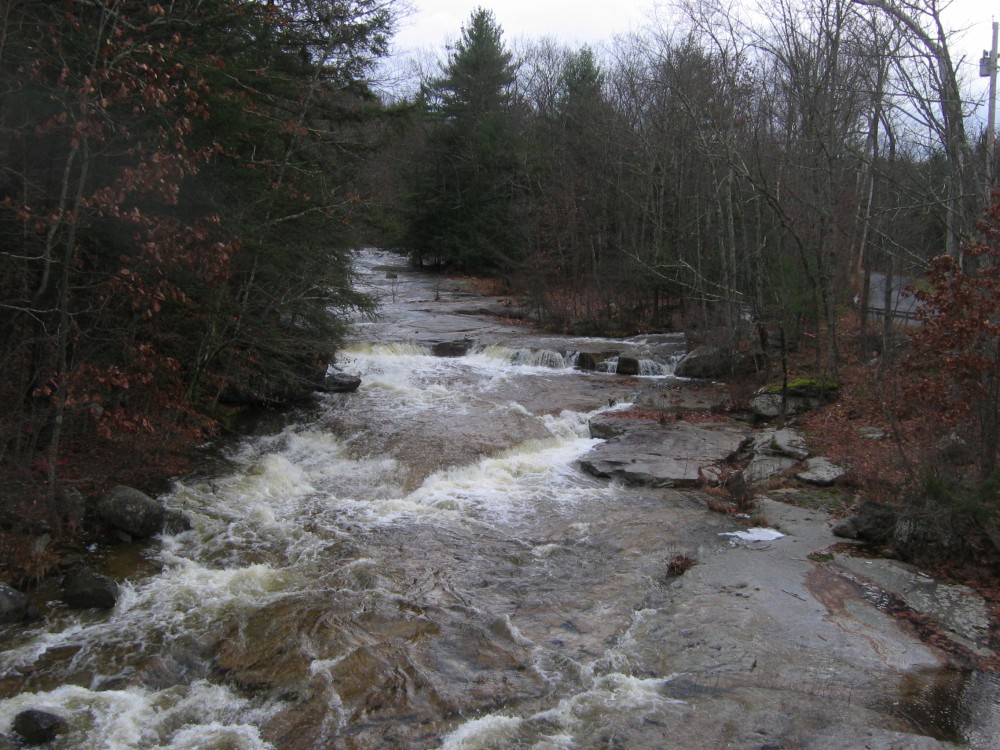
{"x":591,"y":21}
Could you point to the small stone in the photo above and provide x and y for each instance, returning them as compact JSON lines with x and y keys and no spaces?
{"x":38,"y":727}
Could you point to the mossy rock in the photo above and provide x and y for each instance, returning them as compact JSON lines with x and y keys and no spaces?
{"x":809,"y":387}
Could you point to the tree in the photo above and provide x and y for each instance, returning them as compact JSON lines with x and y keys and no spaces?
{"x":462,"y":204}
{"x":956,"y":350}
{"x":176,"y":196}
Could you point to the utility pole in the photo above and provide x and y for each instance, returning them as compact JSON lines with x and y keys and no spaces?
{"x":988,"y":69}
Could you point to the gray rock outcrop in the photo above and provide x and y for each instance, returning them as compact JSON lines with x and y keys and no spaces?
{"x":677,"y":454}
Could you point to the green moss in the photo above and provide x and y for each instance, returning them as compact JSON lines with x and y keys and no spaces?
{"x":816,"y":387}
{"x":820,"y":557}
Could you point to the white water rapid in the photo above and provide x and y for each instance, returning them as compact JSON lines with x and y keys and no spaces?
{"x":422,"y":564}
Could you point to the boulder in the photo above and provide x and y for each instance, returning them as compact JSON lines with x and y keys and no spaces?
{"x":342,"y":382}
{"x":705,"y":362}
{"x":86,"y":589}
{"x":821,"y":471}
{"x":14,"y":606}
{"x":134,"y":512}
{"x":38,"y":727}
{"x":586,"y":361}
{"x":784,"y":442}
{"x":628,"y":366}
{"x":875,"y":522}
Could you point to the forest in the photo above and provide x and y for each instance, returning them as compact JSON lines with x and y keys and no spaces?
{"x":182,"y":182}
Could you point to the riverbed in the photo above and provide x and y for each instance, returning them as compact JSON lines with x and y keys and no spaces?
{"x":423,"y":564}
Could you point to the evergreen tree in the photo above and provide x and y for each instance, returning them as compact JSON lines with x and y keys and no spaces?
{"x":462,"y":203}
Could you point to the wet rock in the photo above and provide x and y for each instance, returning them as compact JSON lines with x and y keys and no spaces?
{"x":14,"y":606}
{"x":37,"y":727}
{"x":341,"y":382}
{"x":958,"y":610}
{"x":705,"y":362}
{"x":457,"y":348}
{"x":87,"y":589}
{"x":586,"y":361}
{"x":677,"y":454}
{"x":132,"y":511}
{"x":784,"y":442}
{"x":7,"y":743}
{"x":821,"y":471}
{"x":628,"y":366}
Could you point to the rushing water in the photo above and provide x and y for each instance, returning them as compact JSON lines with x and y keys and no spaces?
{"x":388,"y":570}
{"x":417,"y":564}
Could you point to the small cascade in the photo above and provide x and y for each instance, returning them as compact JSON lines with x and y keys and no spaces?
{"x":539,"y":358}
{"x":649,"y":368}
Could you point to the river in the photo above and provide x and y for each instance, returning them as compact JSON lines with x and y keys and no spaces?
{"x":422,"y":564}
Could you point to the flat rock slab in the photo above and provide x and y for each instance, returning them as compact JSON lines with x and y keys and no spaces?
{"x":678,"y":454}
{"x":959,"y":610}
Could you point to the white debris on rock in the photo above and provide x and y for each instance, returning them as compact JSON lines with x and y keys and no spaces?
{"x":756,"y":534}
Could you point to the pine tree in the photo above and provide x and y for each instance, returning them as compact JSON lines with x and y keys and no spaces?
{"x":462,"y":203}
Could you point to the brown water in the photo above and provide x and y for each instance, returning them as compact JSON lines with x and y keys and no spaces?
{"x":419,"y":564}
